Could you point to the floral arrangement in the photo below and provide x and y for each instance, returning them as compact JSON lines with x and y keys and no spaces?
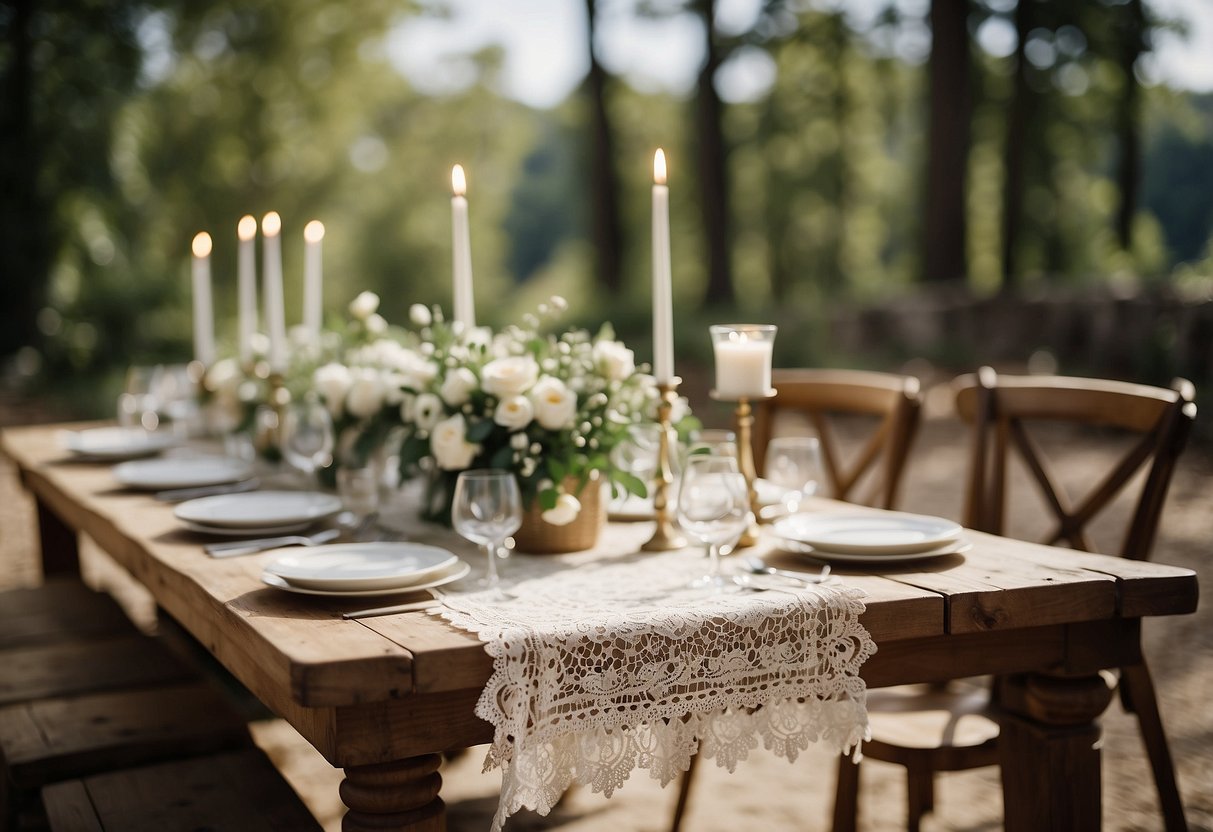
{"x":548,"y":406}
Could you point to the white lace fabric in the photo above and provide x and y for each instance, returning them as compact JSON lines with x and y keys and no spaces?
{"x":604,"y":665}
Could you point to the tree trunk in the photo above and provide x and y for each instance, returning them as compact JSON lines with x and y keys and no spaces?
{"x":948,"y":142}
{"x":604,"y":184}
{"x":713,"y":177}
{"x":1128,"y":115}
{"x":1016,"y":138}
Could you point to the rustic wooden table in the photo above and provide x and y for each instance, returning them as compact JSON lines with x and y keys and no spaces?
{"x":381,"y":697}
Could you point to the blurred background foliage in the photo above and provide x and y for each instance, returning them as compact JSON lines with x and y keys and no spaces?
{"x":856,"y":176}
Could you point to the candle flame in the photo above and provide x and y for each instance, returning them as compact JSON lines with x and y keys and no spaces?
{"x":313,"y":232}
{"x":271,"y":224}
{"x":246,"y":229}
{"x":202,"y":244}
{"x":659,"y":167}
{"x":459,"y":182}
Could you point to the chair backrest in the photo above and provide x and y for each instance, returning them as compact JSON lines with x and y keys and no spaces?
{"x":999,"y":408}
{"x":822,"y":394}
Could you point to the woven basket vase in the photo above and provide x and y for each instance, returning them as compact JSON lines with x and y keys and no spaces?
{"x":538,"y":537}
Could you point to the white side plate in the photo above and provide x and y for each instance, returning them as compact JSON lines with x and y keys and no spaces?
{"x":454,"y":572}
{"x":360,"y":566}
{"x":185,"y":472}
{"x":956,"y":547}
{"x":259,"y":531}
{"x":259,"y":508}
{"x":876,"y":533}
{"x":117,"y":443}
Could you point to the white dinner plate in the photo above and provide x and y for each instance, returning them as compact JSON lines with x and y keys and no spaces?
{"x":117,"y":443}
{"x":259,"y":509}
{"x":185,"y":472}
{"x":633,"y":508}
{"x":360,"y":566}
{"x":248,"y":531}
{"x":450,"y":574}
{"x":874,"y":533}
{"x":955,"y":547}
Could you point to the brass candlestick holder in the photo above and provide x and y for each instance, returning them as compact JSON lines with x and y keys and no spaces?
{"x":667,"y":535}
{"x":271,"y":416}
{"x":744,"y":416}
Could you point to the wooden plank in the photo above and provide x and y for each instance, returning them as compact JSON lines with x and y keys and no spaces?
{"x":53,"y":739}
{"x":59,"y":545}
{"x":66,"y":669}
{"x":238,"y":791}
{"x":62,"y":608}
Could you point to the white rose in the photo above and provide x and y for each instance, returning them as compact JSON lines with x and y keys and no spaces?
{"x":507,"y":377}
{"x":617,"y":361}
{"x":260,"y":343}
{"x":450,"y":446}
{"x":427,"y":410}
{"x":564,"y":512}
{"x":332,"y":382}
{"x":420,"y":315}
{"x":555,"y":404}
{"x":363,"y":306}
{"x":376,"y":324}
{"x":407,"y":404}
{"x":458,"y":385}
{"x":393,"y":392}
{"x":514,"y":413}
{"x":519,"y":441}
{"x":224,"y":376}
{"x":418,"y":372}
{"x":365,"y":397}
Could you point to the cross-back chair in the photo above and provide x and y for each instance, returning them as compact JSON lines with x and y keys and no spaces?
{"x":820,"y":395}
{"x":953,"y":728}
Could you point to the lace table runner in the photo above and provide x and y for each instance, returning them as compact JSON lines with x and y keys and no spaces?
{"x":601,"y":666}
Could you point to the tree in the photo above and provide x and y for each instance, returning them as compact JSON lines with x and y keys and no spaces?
{"x":1132,"y":33}
{"x":604,"y":184}
{"x":712,"y":157}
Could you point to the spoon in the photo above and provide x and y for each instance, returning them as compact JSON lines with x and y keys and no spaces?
{"x":758,"y":567}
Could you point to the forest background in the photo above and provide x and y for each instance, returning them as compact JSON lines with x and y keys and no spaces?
{"x":960,"y":148}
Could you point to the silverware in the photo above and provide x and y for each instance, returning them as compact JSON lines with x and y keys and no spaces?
{"x":249,"y":547}
{"x":413,"y":606}
{"x":758,"y":567}
{"x":178,"y":495}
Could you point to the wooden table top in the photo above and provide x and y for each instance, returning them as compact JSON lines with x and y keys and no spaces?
{"x":300,"y":657}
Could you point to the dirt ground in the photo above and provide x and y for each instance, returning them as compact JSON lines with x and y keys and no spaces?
{"x":770,"y":794}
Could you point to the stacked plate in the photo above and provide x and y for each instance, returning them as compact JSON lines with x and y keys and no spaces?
{"x":112,"y":444}
{"x":259,"y":514}
{"x":348,"y":570}
{"x":871,"y":537}
{"x":181,"y":472}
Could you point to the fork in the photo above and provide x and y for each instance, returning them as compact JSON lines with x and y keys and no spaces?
{"x":249,"y":547}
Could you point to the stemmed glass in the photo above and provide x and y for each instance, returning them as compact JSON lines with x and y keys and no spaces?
{"x":637,"y":455}
{"x":138,"y":404}
{"x":713,"y":509}
{"x":487,"y":509}
{"x":307,"y":435}
{"x":794,"y":463}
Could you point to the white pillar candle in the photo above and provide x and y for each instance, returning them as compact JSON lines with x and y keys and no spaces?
{"x":743,"y":361}
{"x":275,"y":315}
{"x":204,"y":317}
{"x":663,"y":312}
{"x":313,"y":286}
{"x":465,"y":304}
{"x":246,"y":288}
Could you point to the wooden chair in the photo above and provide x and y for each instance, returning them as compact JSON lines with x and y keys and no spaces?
{"x":821,"y":395}
{"x":953,"y":728}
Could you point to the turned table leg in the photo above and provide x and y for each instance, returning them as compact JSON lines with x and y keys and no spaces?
{"x":1049,"y":751}
{"x":396,"y":796}
{"x":60,"y":544}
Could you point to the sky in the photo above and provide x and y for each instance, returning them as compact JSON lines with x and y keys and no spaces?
{"x":545,"y":56}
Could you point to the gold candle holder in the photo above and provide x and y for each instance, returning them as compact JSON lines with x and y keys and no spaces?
{"x":744,"y":418}
{"x":667,"y":535}
{"x":272,"y":415}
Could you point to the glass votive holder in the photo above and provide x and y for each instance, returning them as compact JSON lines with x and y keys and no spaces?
{"x":743,"y":360}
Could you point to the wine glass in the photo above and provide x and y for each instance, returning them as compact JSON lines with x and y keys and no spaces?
{"x":637,"y":455}
{"x":713,"y":509}
{"x":307,"y":435}
{"x":794,"y":464}
{"x":487,"y":509}
{"x":714,"y":442}
{"x":138,"y":403}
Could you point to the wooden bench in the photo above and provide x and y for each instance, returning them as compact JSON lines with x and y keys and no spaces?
{"x":239,"y":791}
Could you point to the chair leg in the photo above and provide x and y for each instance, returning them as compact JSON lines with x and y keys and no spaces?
{"x":920,"y":788}
{"x":846,"y":796}
{"x":684,"y":794}
{"x":1140,"y":689}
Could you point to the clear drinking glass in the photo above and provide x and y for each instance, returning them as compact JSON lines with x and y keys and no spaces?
{"x":176,"y":397}
{"x":794,"y":463}
{"x":713,"y":509}
{"x":487,"y":509}
{"x":714,"y":442}
{"x":358,"y":488}
{"x":138,"y":404}
{"x":307,"y":435}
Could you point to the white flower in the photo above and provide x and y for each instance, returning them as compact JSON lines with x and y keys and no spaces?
{"x":427,"y":410}
{"x":458,"y":385}
{"x":450,"y":446}
{"x":420,"y":315}
{"x":510,"y":376}
{"x":300,"y":336}
{"x":224,"y":376}
{"x":519,"y":441}
{"x":555,"y":404}
{"x":260,"y":343}
{"x":616,"y":361}
{"x":407,"y":403}
{"x":376,"y":324}
{"x":514,"y":413}
{"x":365,"y":396}
{"x":564,"y":512}
{"x":680,"y":409}
{"x":363,"y":306}
{"x":332,"y":382}
{"x":393,"y":384}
